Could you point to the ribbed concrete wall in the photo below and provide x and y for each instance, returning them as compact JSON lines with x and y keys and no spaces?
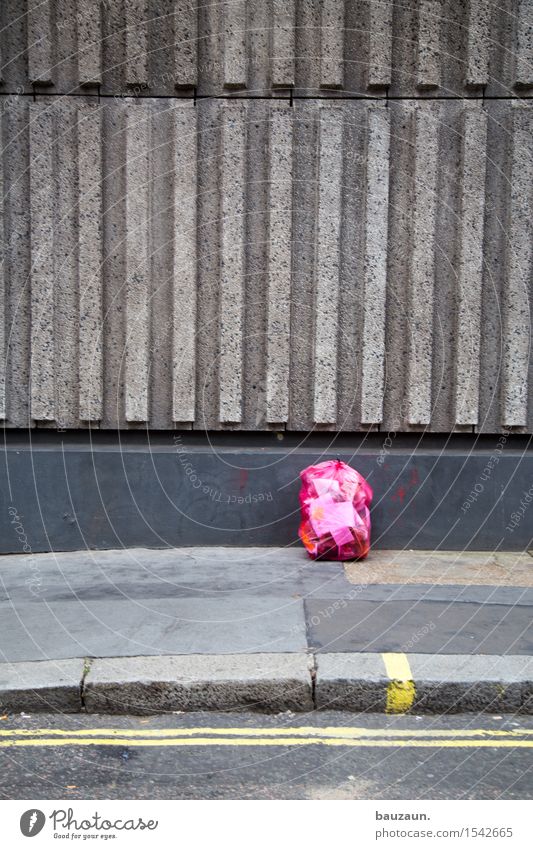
{"x":319,"y":47}
{"x":288,"y":262}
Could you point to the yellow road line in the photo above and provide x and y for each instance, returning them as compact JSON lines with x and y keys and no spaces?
{"x":269,"y":741}
{"x":401,"y":688}
{"x":302,"y":730}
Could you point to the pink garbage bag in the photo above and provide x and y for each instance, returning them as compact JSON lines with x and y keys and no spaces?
{"x":334,"y":502}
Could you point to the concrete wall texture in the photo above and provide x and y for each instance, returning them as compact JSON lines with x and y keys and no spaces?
{"x":260,"y":215}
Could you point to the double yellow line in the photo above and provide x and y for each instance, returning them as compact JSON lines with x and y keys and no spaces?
{"x":295,"y":736}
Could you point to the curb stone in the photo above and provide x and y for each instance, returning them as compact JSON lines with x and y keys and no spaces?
{"x":264,"y":682}
{"x":268,"y":683}
{"x":441,"y":683}
{"x":44,"y":685}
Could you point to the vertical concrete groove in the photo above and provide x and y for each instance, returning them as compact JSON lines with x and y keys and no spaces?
{"x":516,"y":295}
{"x":232,"y":261}
{"x":186,"y":43}
{"x":283,"y":43}
{"x":331,"y":43}
{"x":477,"y":61}
{"x":524,"y":44}
{"x":429,"y":24}
{"x":422,"y":267}
{"x":89,"y":42}
{"x":185,"y":259}
{"x":327,"y":264}
{"x":235,"y":43}
{"x":42,"y":380}
{"x":375,"y":268}
{"x":136,"y":42}
{"x":279,"y":263}
{"x":90,"y":262}
{"x":137,"y":261}
{"x":40,"y":42}
{"x":380,"y":47}
{"x":470,"y":270}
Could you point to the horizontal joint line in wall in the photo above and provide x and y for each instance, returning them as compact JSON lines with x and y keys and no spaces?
{"x":36,"y":95}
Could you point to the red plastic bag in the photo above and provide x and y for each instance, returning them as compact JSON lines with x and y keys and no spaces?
{"x":334,"y":502}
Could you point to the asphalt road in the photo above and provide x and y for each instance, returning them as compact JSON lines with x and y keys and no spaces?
{"x":249,"y":756}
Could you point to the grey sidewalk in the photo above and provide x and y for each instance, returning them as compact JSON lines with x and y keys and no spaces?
{"x":260,"y":604}
{"x":231,"y":601}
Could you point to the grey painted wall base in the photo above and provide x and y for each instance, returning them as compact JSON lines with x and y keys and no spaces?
{"x":68,"y":492}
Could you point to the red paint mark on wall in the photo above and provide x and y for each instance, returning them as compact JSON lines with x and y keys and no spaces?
{"x":404,"y":489}
{"x":399,"y":495}
{"x":243,"y":479}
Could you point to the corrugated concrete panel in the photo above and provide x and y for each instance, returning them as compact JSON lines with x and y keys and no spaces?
{"x":232,"y":260}
{"x":478,"y":44}
{"x":376,"y":241}
{"x":517,"y":292}
{"x":279,"y":264}
{"x":66,"y":262}
{"x":422,"y":265}
{"x":17,"y":263}
{"x":89,"y":31}
{"x":184,"y":263}
{"x":138,"y":154}
{"x":428,"y":45}
{"x":331,"y":44}
{"x":138,"y":15}
{"x":40,"y":42}
{"x":186,"y":43}
{"x":523,"y":73}
{"x":327,"y":264}
{"x":234,"y":13}
{"x":89,"y":131}
{"x":253,"y":266}
{"x":507,"y":309}
{"x":380,"y":45}
{"x":439,"y":48}
{"x":43,"y":193}
{"x":470,"y":268}
{"x":283,"y":43}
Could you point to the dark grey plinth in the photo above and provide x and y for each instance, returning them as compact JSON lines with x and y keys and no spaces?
{"x":71,"y":493}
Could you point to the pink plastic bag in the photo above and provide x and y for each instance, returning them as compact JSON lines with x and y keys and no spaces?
{"x":334,"y":502}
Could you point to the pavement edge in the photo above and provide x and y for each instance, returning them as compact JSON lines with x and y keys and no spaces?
{"x":271,"y":683}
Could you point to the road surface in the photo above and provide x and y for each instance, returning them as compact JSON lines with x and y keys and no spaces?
{"x":322,"y":755}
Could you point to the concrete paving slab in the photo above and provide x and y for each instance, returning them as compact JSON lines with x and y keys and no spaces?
{"x":137,"y":602}
{"x":41,"y":686}
{"x":153,"y":627}
{"x":263,"y":682}
{"x":497,"y":568}
{"x":423,"y":626}
{"x":222,"y":573}
{"x":147,"y":573}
